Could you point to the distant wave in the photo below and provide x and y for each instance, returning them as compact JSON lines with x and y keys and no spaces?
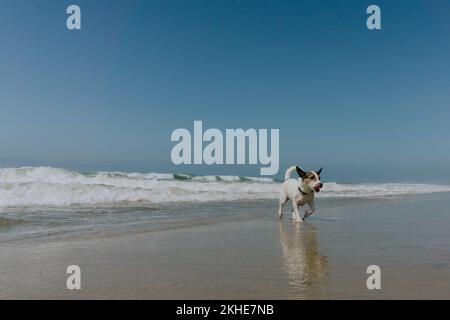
{"x":46,"y":186}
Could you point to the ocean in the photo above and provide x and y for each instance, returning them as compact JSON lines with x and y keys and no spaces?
{"x":45,"y":204}
{"x":160,"y":236}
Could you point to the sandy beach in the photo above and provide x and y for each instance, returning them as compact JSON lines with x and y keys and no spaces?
{"x":248,"y":254}
{"x":151,"y":144}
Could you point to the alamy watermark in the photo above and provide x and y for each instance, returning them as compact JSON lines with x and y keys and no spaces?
{"x":73,"y":281}
{"x":237,"y":147}
{"x":374,"y":20}
{"x":73,"y":21}
{"x":374,"y":280}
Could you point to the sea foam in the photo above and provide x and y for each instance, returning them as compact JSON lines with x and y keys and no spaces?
{"x":46,"y":186}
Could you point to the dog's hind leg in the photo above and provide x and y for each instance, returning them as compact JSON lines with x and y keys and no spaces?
{"x":295,"y":212}
{"x":282,"y":201}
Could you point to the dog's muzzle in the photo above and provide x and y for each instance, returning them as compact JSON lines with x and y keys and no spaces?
{"x":317,"y":187}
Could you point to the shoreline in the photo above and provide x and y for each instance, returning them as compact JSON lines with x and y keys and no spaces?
{"x":253,"y":258}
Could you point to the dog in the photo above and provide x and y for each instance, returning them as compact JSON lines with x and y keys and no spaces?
{"x":300,"y":192}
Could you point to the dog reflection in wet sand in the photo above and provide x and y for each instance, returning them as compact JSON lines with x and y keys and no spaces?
{"x":306,"y":268}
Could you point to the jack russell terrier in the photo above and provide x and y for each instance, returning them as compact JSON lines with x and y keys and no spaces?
{"x":300,"y":191}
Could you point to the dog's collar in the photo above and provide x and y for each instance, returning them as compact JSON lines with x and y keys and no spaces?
{"x":303,"y":192}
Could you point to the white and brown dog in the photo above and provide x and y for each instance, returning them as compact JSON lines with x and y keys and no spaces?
{"x":300,"y":191}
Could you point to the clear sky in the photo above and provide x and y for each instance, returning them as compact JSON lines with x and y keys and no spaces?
{"x":367,"y":105}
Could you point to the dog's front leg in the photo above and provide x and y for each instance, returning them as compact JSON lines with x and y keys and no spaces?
{"x":296,"y":213}
{"x":311,"y":209}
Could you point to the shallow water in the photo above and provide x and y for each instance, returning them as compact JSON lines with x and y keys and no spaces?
{"x":44,"y":223}
{"x":232,"y":250}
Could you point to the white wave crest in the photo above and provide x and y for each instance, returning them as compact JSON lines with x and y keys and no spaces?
{"x":374,"y":190}
{"x":45,"y":186}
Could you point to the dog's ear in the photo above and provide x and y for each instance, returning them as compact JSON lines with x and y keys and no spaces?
{"x":320,"y":171}
{"x":300,"y":172}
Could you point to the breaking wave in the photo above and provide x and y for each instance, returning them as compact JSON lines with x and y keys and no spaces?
{"x":46,"y":186}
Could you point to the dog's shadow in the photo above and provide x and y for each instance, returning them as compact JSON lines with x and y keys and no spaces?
{"x":305,"y":267}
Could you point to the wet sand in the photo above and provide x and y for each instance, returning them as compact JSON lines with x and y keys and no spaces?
{"x":255,"y":258}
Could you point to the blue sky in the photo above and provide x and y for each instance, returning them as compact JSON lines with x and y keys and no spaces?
{"x":367,"y":105}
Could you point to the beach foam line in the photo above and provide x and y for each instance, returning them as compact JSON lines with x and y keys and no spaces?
{"x":46,"y":186}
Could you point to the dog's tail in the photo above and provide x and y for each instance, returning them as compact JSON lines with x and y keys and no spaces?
{"x":287,"y":175}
